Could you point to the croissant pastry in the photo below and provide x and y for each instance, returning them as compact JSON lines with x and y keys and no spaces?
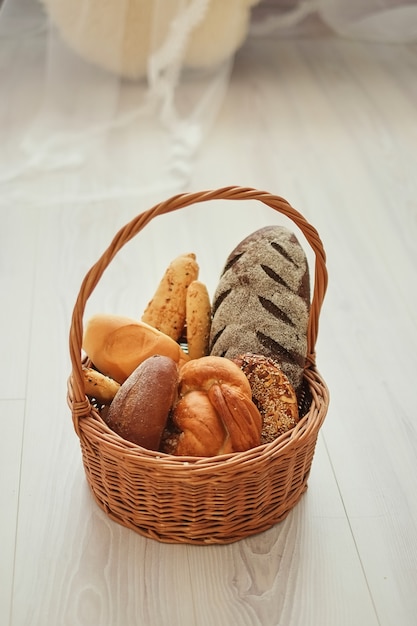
{"x":215,"y":413}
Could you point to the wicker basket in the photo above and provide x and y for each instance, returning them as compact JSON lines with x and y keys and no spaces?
{"x":198,"y":500}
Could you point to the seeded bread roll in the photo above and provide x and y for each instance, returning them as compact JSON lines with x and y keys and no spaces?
{"x":262,"y":301}
{"x":272,"y":393}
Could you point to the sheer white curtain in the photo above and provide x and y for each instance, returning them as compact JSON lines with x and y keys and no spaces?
{"x":393,"y":21}
{"x":118,"y":95}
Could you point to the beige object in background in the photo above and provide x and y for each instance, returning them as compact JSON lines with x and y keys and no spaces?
{"x":120,"y":35}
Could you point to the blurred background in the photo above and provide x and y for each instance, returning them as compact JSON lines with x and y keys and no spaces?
{"x":122,"y":95}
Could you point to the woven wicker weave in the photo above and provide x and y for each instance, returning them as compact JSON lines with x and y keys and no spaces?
{"x":198,"y":500}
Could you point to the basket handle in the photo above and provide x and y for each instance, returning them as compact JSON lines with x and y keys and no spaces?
{"x":80,"y":405}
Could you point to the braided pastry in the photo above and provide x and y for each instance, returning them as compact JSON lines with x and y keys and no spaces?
{"x":215,"y":413}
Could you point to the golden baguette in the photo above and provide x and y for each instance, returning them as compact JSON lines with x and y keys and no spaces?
{"x":98,"y":386}
{"x":198,"y":319}
{"x":167,"y":310}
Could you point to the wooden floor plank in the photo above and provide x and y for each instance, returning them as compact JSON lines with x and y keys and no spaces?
{"x":12,"y":419}
{"x":18,"y":241}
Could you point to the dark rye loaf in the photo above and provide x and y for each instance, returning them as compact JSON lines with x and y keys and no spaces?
{"x":262,"y":301}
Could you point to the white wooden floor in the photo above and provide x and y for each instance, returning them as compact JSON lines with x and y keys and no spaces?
{"x":331,"y":126}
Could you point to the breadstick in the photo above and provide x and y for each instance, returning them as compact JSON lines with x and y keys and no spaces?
{"x":167,"y":309}
{"x":198,"y":319}
{"x":98,"y":386}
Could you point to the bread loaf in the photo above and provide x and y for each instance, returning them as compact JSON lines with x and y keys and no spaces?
{"x":117,"y":345}
{"x":262,"y":301}
{"x":140,"y":408}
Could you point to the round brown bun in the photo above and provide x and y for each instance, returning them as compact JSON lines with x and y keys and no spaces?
{"x":140,"y":409}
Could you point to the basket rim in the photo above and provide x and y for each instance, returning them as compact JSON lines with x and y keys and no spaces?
{"x":95,"y":426}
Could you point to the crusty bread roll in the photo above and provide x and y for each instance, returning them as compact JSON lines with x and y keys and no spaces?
{"x":117,"y":345}
{"x":198,"y":318}
{"x":100,"y":387}
{"x":262,"y":301}
{"x":167,"y":309}
{"x":215,"y":413}
{"x":140,"y":408}
{"x":272,"y":393}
